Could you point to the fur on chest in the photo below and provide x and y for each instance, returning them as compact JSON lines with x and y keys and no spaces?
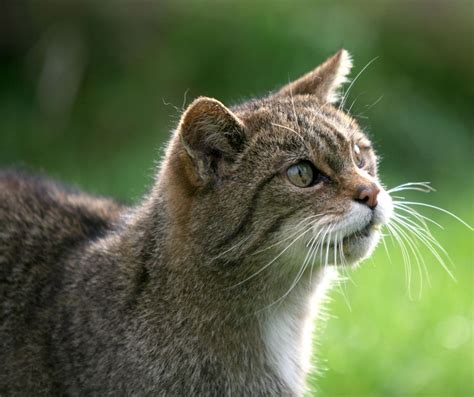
{"x":288,"y":331}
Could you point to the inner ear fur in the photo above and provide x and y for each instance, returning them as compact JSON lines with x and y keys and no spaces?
{"x":323,"y":82}
{"x":212,"y":136}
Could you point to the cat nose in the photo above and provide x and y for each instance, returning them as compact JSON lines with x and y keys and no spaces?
{"x":368,"y":195}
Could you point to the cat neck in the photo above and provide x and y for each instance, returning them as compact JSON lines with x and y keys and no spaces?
{"x":236,"y":325}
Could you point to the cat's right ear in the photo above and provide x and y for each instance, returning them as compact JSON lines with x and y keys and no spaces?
{"x":212,"y":136}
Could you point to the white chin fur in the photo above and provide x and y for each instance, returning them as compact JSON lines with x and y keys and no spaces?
{"x":356,"y":245}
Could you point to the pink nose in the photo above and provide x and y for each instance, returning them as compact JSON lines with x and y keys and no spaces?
{"x":368,"y":195}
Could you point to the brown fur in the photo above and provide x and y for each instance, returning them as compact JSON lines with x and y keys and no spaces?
{"x":97,"y":298}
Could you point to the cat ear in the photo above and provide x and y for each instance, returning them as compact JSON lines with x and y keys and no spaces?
{"x":325,"y":81}
{"x":212,"y":136}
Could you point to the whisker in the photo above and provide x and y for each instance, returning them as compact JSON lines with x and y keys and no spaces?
{"x":420,"y":233}
{"x":414,"y":188}
{"x":419,"y":186}
{"x":346,"y":94}
{"x":441,"y":210}
{"x":238,"y":244}
{"x":310,"y":246}
{"x":289,"y":129}
{"x":422,"y":229}
{"x":327,"y":247}
{"x":352,"y":104}
{"x":416,"y":214}
{"x":295,"y":282}
{"x":386,"y":248}
{"x":342,"y":287}
{"x":416,"y":253}
{"x":288,"y":237}
{"x":274,"y":259}
{"x":405,"y":256}
{"x":321,"y":247}
{"x":411,"y":227}
{"x":368,"y":107}
{"x":313,"y":254}
{"x":344,"y":266}
{"x":416,"y":230}
{"x":428,"y":244}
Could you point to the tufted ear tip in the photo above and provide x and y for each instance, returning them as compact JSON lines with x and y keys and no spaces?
{"x":344,"y":63}
{"x":344,"y":57}
{"x":325,"y":81}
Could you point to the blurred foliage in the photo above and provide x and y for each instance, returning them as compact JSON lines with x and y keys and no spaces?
{"x":90,"y":90}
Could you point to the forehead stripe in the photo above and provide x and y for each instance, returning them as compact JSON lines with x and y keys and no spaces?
{"x":336,"y":142}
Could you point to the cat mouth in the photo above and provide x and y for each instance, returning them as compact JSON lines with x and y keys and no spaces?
{"x":364,"y":233}
{"x":351,"y":248}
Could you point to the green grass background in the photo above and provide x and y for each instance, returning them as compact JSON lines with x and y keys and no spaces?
{"x":89,"y":91}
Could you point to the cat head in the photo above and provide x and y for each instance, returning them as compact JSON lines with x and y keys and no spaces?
{"x":288,"y":172}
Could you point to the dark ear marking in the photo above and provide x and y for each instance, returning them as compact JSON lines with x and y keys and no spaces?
{"x":212,"y":136}
{"x":323,"y":82}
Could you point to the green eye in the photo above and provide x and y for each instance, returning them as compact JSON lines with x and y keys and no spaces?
{"x":358,"y":158}
{"x":301,"y":174}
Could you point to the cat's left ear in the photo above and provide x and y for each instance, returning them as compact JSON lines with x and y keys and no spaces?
{"x":212,"y":136}
{"x":323,"y":82}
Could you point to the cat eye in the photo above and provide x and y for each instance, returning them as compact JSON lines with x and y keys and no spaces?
{"x":301,"y":174}
{"x":358,"y":158}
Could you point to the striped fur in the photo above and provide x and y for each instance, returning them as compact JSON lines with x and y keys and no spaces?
{"x":174,"y":296}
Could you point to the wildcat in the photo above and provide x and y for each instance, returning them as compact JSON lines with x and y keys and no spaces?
{"x":205,"y":286}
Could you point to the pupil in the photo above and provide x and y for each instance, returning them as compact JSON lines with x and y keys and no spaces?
{"x":301,"y":174}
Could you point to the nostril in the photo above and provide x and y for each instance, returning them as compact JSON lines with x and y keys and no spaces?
{"x":364,"y":197}
{"x":368,"y":196}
